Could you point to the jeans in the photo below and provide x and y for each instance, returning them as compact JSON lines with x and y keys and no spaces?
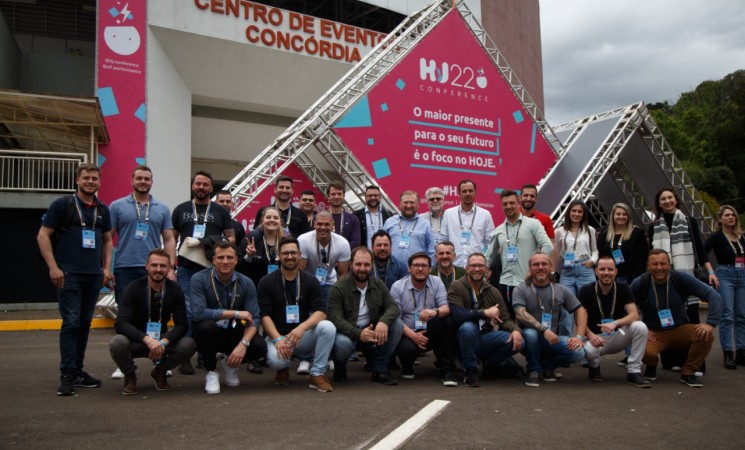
{"x":441,"y":338}
{"x":491,"y":346}
{"x":573,"y":278}
{"x":732,"y":290}
{"x":212,"y":339}
{"x":542,"y":355}
{"x":319,"y":340}
{"x":77,"y":301}
{"x":634,"y":335}
{"x":345,"y":346}
{"x":183,"y":277}
{"x":123,"y":351}
{"x":123,"y":276}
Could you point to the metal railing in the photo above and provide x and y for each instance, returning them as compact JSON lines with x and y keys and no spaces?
{"x":39,"y":171}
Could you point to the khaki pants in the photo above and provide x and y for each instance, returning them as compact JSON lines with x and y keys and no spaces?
{"x":683,"y":337}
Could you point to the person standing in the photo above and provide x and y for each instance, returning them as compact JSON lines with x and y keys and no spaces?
{"x":346,"y":224}
{"x":308,"y":206}
{"x":435,"y":202}
{"x":324,"y":253}
{"x":386,"y":266}
{"x":372,"y":216}
{"x":409,"y":234}
{"x":259,"y":252}
{"x":528,"y":200}
{"x":295,"y":219}
{"x":625,"y":243}
{"x":467,"y":226}
{"x":225,"y":199}
{"x":75,"y":242}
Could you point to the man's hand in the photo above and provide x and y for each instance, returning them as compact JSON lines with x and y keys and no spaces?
{"x":703,"y":331}
{"x":57,"y":277}
{"x":492,"y":313}
{"x":108,"y":279}
{"x":551,"y":337}
{"x":420,"y":339}
{"x":172,"y":275}
{"x":284,"y":349}
{"x":156,"y":349}
{"x":245,"y":315}
{"x":294,"y":336}
{"x":596,"y":340}
{"x":236,"y":356}
{"x":381,"y":333}
{"x":651,"y":337}
{"x":426,"y":314}
{"x":517,"y":340}
{"x":574,"y":343}
{"x":607,"y":328}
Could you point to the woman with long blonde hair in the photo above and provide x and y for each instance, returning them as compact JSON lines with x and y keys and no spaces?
{"x":625,"y":243}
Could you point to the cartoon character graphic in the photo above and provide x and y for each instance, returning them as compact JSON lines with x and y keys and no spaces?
{"x":481,"y":79}
{"x":124,"y":40}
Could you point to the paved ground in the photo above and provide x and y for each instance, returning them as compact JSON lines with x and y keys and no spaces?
{"x":571,"y":413}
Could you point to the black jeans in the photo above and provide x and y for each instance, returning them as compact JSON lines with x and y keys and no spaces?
{"x":212,"y":339}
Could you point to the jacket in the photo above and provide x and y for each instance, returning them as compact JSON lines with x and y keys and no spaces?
{"x":344,"y":305}
{"x":461,"y":305}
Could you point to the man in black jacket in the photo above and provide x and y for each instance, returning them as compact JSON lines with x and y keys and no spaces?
{"x":372,"y":216}
{"x":142,"y":325}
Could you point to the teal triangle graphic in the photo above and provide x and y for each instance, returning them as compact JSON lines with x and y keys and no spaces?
{"x":358,"y":116}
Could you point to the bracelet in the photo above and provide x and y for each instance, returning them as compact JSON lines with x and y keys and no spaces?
{"x":236,"y":314}
{"x":162,"y":343}
{"x":274,"y":341}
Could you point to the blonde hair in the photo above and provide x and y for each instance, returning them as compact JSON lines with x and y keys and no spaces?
{"x":718,"y":226}
{"x":626,"y":232}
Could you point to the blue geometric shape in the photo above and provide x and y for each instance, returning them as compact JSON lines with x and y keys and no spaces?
{"x":140,"y":161}
{"x":381,"y":168}
{"x":114,"y":12}
{"x":101,"y":160}
{"x":518,"y":116}
{"x":532,"y":139}
{"x":358,"y":116}
{"x":500,"y":161}
{"x":108,"y":101}
{"x":400,"y":84}
{"x":140,"y":113}
{"x":498,"y":190}
{"x":370,"y":141}
{"x":384,"y":107}
{"x":130,"y":16}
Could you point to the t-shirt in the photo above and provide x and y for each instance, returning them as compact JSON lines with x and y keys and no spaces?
{"x":218,"y":220}
{"x":275,"y":293}
{"x":540,"y":299}
{"x":132,"y":251}
{"x":586,"y":296}
{"x":337,"y":250}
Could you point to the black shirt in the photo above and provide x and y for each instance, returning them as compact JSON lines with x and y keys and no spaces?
{"x":586,"y":296}
{"x":274,"y":294}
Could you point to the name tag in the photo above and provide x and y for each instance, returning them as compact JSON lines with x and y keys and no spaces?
{"x":141,"y":231}
{"x":465,"y":237}
{"x":740,"y":262}
{"x":292,"y":313}
{"x":618,"y":256}
{"x":603,"y":322}
{"x":546,"y":319}
{"x":271,"y":268}
{"x":666,"y":318}
{"x":89,"y":239}
{"x":321,"y":274}
{"x":512,"y":253}
{"x":404,"y":242}
{"x":199,"y":230}
{"x":223,"y":323}
{"x":418,"y":323}
{"x":569,"y":259}
{"x":153,"y":330}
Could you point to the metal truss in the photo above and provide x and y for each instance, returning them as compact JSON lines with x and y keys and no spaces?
{"x":631,"y":192}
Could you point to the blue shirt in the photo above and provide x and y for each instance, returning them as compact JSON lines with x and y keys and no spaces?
{"x":434,"y":295}
{"x":209,"y":297}
{"x":419,"y":232}
{"x":390,"y":271}
{"x":130,"y":251}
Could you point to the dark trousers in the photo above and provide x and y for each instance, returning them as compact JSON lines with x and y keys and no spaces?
{"x":506,"y":292}
{"x":442,"y":339}
{"x":212,"y":339}
{"x":123,"y":351}
{"x":77,"y":301}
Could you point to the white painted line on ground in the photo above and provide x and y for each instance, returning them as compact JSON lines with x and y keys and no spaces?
{"x":411,"y":426}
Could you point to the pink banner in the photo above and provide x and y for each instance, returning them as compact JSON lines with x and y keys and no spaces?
{"x":444,"y":114}
{"x":121,"y":92}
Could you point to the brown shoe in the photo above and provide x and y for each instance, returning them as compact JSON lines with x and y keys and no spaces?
{"x":282,"y":378}
{"x":160,"y":379}
{"x":130,"y":384}
{"x":319,"y":383}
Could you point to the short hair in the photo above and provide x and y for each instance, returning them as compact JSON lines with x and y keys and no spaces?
{"x":224,"y":243}
{"x":380,"y":233}
{"x":143,"y":168}
{"x":448,"y":243}
{"x":283,"y":178}
{"x":325,"y":213}
{"x":371,"y":187}
{"x":529,"y":186}
{"x":608,"y":257}
{"x":286,"y":240}
{"x":359,"y":249}
{"x":433,"y":190}
{"x":477,"y":254}
{"x":158,"y":252}
{"x":336,"y":184}
{"x":203,"y":173}
{"x":656,"y":207}
{"x":224,"y":192}
{"x":88,"y":167}
{"x":308,"y":192}
{"x":508,"y":193}
{"x":408,"y":192}
{"x":658,"y":251}
{"x":462,"y":182}
{"x":419,"y":255}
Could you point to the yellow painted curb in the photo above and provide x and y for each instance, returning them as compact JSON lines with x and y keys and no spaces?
{"x":49,"y":324}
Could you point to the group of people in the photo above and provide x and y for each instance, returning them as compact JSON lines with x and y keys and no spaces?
{"x":322,"y":287}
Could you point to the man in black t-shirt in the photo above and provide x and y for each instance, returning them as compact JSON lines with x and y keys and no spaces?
{"x":612,"y":322}
{"x":296,"y":221}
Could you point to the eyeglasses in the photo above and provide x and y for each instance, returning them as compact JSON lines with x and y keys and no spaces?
{"x":307,"y":200}
{"x":477,"y":266}
{"x":289,"y":253}
{"x":435,"y":199}
{"x":420,"y":266}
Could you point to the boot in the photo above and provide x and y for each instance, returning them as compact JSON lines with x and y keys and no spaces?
{"x":729,"y":360}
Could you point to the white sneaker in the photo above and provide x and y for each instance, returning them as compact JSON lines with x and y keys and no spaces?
{"x":699,"y":374}
{"x":231,"y":374}
{"x":212,"y":383}
{"x":169,"y":373}
{"x":117,"y":375}
{"x":303,"y":368}
{"x":331,"y":365}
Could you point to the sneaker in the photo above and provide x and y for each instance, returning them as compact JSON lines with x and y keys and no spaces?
{"x":417,"y":361}
{"x":117,"y":375}
{"x":340,"y":372}
{"x":353,"y":357}
{"x":85,"y":380}
{"x":331,"y":365}
{"x":130,"y":384}
{"x":160,"y":379}
{"x":623,"y":363}
{"x":699,"y":374}
{"x":319,"y":383}
{"x":675,"y":368}
{"x":532,"y":380}
{"x":66,"y":385}
{"x":231,"y":374}
{"x":169,"y":373}
{"x":255,"y":367}
{"x":407,"y":373}
{"x":186,"y":368}
{"x":282,"y":378}
{"x":384,"y":378}
{"x":594,"y":374}
{"x":303,"y":368}
{"x":637,"y":380}
{"x":472,"y":377}
{"x":691,"y":380}
{"x":549,"y":375}
{"x":449,"y":380}
{"x":212,"y":382}
{"x":650,"y":373}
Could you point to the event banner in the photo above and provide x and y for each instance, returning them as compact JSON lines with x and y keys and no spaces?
{"x":120,"y":68}
{"x":443,"y":114}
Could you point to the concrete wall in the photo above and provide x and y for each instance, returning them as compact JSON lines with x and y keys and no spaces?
{"x":71,"y":62}
{"x":10,"y":55}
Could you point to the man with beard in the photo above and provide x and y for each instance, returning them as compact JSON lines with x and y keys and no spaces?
{"x":528,"y":199}
{"x":295,"y":219}
{"x":145,"y":309}
{"x":293,"y":315}
{"x":466,"y":225}
{"x":198,"y":223}
{"x":485,"y":329}
{"x":425,"y":313}
{"x":386,"y":266}
{"x":366,"y":318}
{"x":346,"y":224}
{"x":444,"y":255}
{"x":308,"y":206}
{"x":435,"y":202}
{"x":409,"y":234}
{"x":225,"y":199}
{"x":372,"y":216}
{"x":75,"y":242}
{"x":324,"y":254}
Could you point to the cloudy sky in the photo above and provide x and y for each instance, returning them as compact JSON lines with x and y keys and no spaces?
{"x":602,"y":54}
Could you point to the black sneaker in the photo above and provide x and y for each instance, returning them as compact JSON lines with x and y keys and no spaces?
{"x":532,"y":380}
{"x":383,"y":378}
{"x":186,"y":368}
{"x":472,"y":377}
{"x":650,"y":373}
{"x":340,"y":371}
{"x":66,"y":385}
{"x":449,"y":379}
{"x":691,"y":380}
{"x":623,"y":363}
{"x":594,"y":374}
{"x":549,"y":375}
{"x":636,"y":380}
{"x":85,"y":380}
{"x":255,"y":367}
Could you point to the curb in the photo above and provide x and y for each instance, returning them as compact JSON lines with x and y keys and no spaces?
{"x":49,"y":324}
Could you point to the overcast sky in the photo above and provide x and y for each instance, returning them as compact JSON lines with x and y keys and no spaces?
{"x":602,"y":54}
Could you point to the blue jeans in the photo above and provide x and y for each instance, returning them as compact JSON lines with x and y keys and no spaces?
{"x":732,"y":290}
{"x":319,"y":340}
{"x":123,"y":276}
{"x":344,"y":346}
{"x":492,"y":346}
{"x":183,"y":277}
{"x":542,"y":355}
{"x":77,"y":301}
{"x":573,"y":278}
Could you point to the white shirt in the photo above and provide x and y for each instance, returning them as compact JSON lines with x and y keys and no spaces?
{"x":310,"y":251}
{"x":478,"y":221}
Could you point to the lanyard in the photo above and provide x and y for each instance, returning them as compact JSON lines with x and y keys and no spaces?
{"x":266,"y":248}
{"x":318,"y":252}
{"x":474,"y":297}
{"x":739,"y":246}
{"x":341,"y":223}
{"x":387,"y":266}
{"x":379,"y":216}
{"x":80,"y":214}
{"x":289,"y":213}
{"x":147,"y":210}
{"x":540,"y":303}
{"x":401,"y":228}
{"x":473,"y":219}
{"x":576,"y":238}
{"x":449,"y":278}
{"x":214,"y":289}
{"x":196,"y":216}
{"x":149,"y":303}
{"x":426,"y":297}
{"x":297,"y":291}
{"x":667,"y":292}
{"x":600,"y":306}
{"x":517,"y":233}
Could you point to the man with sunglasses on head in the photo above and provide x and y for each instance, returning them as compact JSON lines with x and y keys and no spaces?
{"x":435,"y":202}
{"x":324,"y":254}
{"x":372,"y":216}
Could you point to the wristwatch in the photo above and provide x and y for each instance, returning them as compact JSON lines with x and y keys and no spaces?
{"x":245,"y":342}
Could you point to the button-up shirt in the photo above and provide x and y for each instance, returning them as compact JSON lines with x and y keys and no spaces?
{"x":418,"y":232}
